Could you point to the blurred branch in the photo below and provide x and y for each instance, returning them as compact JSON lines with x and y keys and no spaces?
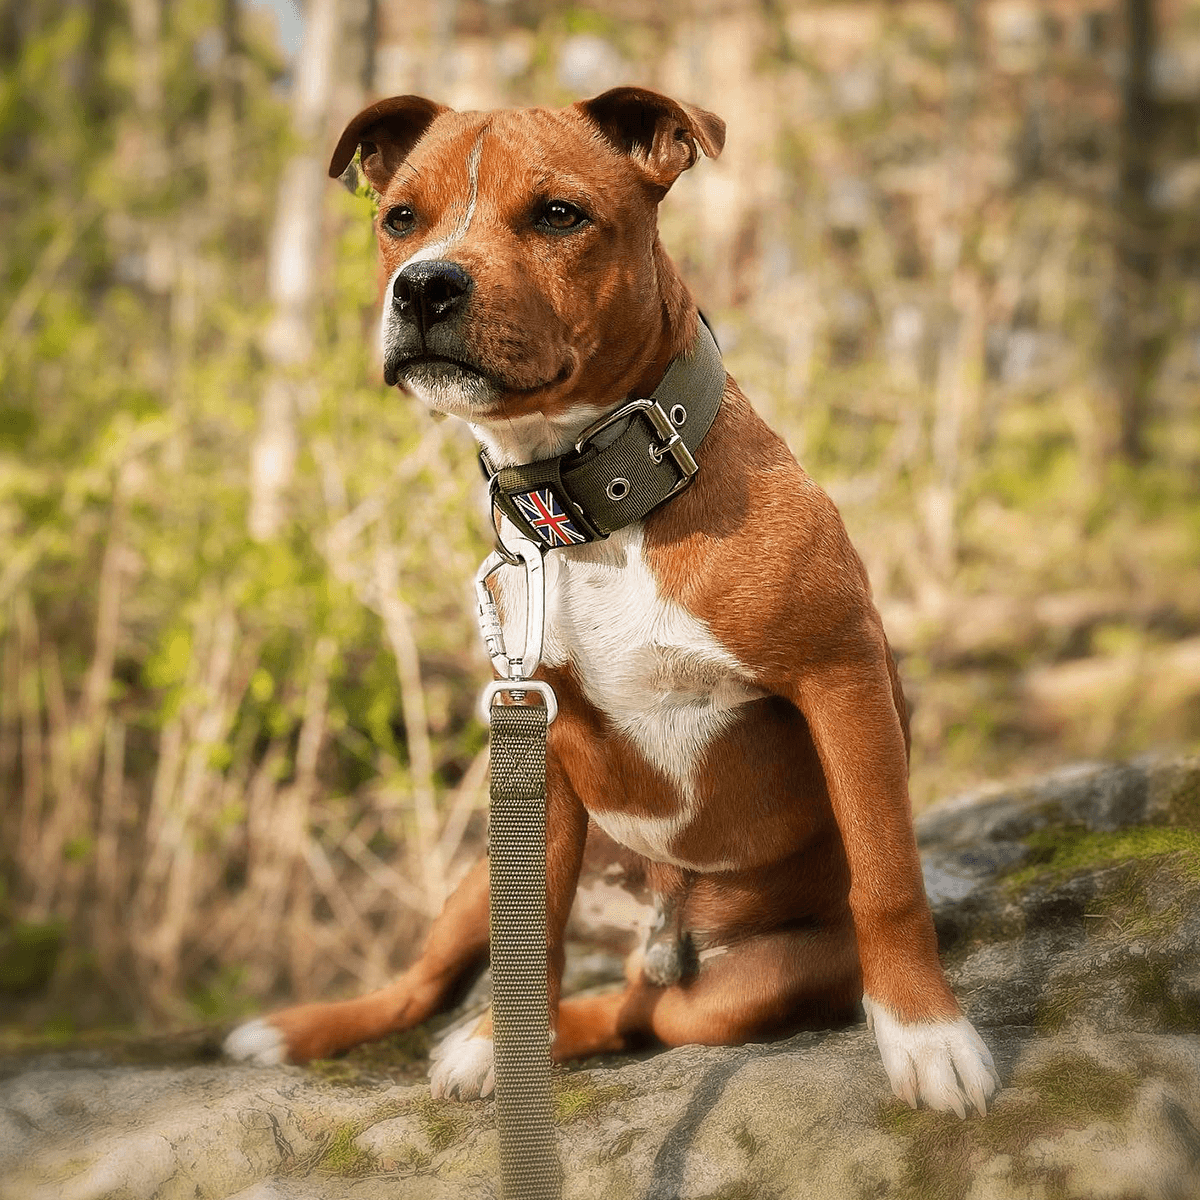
{"x":41,"y":279}
{"x":291,"y":276}
{"x":1136,"y":321}
{"x":398,"y":625}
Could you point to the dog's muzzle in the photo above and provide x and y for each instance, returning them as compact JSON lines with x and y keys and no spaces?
{"x":423,"y":332}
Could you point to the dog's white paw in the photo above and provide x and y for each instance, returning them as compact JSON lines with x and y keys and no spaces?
{"x":942,"y":1063}
{"x":258,"y":1042}
{"x":462,"y":1067}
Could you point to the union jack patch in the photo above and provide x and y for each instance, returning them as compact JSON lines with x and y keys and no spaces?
{"x":547,"y":518}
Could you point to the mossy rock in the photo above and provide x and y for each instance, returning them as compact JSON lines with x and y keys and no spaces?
{"x":445,"y":1125}
{"x":943,"y":1154}
{"x":1063,"y":852}
{"x":576,"y":1097}
{"x":342,"y":1157}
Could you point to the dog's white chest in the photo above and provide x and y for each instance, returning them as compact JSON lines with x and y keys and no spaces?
{"x":654,"y":670}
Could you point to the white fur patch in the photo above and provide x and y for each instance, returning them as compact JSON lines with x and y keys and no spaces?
{"x":436,"y":250}
{"x":535,"y":435}
{"x":445,"y":388}
{"x":945,"y":1064}
{"x":462,"y":1066}
{"x":601,"y":907}
{"x":656,"y":671}
{"x":258,"y":1042}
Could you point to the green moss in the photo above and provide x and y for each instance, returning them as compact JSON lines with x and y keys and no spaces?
{"x":944,"y":1153}
{"x":1153,"y":992}
{"x":937,"y":1159}
{"x":1057,"y":1008}
{"x":443,"y":1125}
{"x":1124,"y":906}
{"x":342,"y":1157}
{"x":412,"y":1157}
{"x":1179,"y":788}
{"x":1061,"y":853}
{"x":403,"y":1057}
{"x":577,"y":1097}
{"x":338,"y":1072}
{"x":1141,"y":904}
{"x":745,"y":1140}
{"x":1073,"y":1088}
{"x":120,"y":1047}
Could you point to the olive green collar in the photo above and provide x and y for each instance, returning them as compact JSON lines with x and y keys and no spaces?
{"x":615,"y":476}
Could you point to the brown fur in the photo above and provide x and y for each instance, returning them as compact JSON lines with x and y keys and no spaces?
{"x":806,"y":790}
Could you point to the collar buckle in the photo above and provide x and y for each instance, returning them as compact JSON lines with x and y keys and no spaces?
{"x":663,"y":425}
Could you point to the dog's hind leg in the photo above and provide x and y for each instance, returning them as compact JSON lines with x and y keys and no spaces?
{"x":457,"y":945}
{"x":770,"y":984}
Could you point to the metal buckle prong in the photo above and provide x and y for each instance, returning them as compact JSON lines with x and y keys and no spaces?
{"x":617,"y":414}
{"x":672,"y":443}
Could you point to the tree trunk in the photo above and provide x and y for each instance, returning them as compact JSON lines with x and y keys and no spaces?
{"x":291,"y":272}
{"x":1135,"y":314}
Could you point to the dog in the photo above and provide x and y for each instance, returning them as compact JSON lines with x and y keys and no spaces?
{"x":730,"y":714}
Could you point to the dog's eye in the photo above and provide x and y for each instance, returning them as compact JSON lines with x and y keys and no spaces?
{"x":399,"y":220}
{"x":559,"y":216}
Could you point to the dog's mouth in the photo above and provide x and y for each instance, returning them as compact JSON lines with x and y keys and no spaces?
{"x":440,"y":368}
{"x":425,"y":369}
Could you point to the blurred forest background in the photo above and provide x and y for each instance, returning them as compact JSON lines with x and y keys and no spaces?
{"x":952,"y":250}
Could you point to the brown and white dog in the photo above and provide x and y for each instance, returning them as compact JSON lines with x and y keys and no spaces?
{"x":729,"y":709}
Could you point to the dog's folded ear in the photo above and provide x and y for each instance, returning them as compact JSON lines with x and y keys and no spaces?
{"x":660,"y":134}
{"x":386,"y":131}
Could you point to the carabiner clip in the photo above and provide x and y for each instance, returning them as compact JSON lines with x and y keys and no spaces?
{"x":510,"y":666}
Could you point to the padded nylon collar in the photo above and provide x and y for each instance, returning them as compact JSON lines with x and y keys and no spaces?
{"x":616,"y":476}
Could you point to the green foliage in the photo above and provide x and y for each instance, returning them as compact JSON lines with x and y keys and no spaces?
{"x":29,"y":952}
{"x":131,"y":371}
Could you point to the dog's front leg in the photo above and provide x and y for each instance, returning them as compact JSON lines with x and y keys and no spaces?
{"x":462,"y":1064}
{"x":930,"y":1051}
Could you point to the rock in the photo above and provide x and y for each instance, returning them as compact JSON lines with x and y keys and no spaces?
{"x":1069,"y":915}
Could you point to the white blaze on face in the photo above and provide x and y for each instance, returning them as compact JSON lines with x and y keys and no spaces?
{"x":436,"y":250}
{"x":459,"y":394}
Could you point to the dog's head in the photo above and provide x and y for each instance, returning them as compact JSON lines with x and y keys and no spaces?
{"x":521,"y":245}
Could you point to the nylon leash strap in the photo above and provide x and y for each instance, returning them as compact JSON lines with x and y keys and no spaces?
{"x":529,"y":1166}
{"x":615,"y":476}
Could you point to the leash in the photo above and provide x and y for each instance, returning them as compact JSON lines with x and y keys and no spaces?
{"x":622,"y":467}
{"x":529,"y":1166}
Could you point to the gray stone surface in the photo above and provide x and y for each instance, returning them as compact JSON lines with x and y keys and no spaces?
{"x":1069,"y":914}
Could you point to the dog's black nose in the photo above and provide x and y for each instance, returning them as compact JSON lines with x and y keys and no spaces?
{"x":428,"y":292}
